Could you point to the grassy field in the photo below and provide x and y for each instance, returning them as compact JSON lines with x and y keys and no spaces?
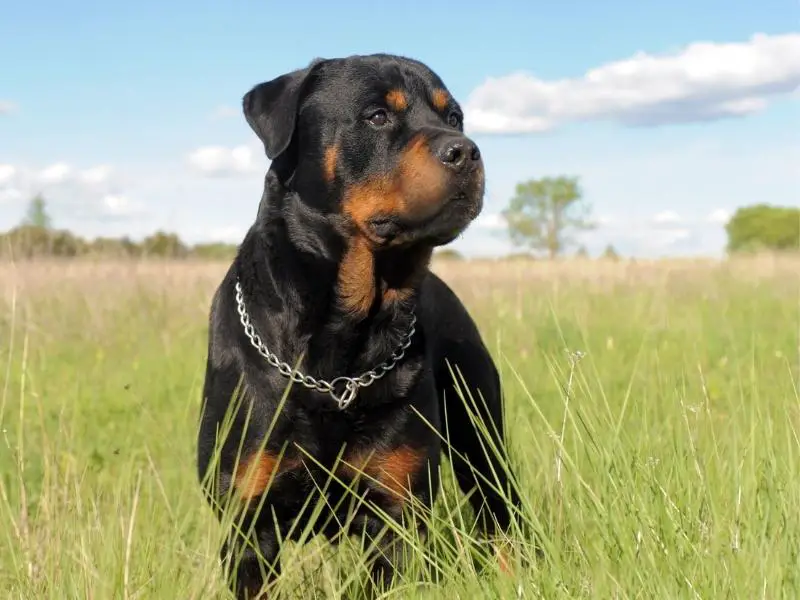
{"x":664,"y":463}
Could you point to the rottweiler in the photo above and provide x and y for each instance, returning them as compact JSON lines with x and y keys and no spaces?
{"x":333,"y":350}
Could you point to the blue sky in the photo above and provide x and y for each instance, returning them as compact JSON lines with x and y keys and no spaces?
{"x":126,"y":115}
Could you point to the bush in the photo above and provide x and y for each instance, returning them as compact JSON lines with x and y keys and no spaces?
{"x":449,"y":254}
{"x":764,"y":227}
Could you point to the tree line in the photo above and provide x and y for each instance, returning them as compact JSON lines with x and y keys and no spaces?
{"x":543,"y":218}
{"x":35,"y":237}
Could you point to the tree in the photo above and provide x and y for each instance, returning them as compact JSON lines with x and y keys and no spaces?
{"x":610,"y":253}
{"x":37,"y":216}
{"x":544,"y":212}
{"x":764,"y":227}
{"x":164,"y":245}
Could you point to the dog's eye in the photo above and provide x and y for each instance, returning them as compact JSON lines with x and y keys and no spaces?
{"x":379,"y":118}
{"x":454,"y":119}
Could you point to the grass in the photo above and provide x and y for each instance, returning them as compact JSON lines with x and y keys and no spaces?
{"x":662,"y":462}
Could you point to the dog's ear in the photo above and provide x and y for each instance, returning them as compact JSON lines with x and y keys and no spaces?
{"x":271,"y":109}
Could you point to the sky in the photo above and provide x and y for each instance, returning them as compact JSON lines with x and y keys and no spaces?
{"x":127,"y":117}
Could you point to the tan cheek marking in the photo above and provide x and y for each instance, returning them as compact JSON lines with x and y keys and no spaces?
{"x":440,"y":99}
{"x":375,"y":196}
{"x":397,"y":100}
{"x":423,"y":180}
{"x":414,"y":189}
{"x":329,"y":162}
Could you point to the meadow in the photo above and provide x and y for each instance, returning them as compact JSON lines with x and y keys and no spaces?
{"x":653,"y":413}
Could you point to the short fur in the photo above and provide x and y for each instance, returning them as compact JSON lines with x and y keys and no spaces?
{"x":370,"y":171}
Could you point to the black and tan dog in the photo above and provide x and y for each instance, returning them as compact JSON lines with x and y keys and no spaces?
{"x":370,"y":171}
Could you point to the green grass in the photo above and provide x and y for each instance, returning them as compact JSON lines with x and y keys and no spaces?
{"x":677,"y":434}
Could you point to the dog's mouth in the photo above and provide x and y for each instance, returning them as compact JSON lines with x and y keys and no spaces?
{"x":450,"y":221}
{"x":385,"y":227}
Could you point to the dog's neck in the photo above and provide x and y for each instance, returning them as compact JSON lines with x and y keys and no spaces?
{"x":317,"y":252}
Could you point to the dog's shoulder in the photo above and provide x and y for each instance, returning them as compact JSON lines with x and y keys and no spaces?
{"x":436,"y":296}
{"x":443,"y":314}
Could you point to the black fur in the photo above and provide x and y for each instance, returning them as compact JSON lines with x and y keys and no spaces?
{"x":290,"y":268}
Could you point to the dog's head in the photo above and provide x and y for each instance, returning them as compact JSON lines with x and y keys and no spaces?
{"x":376,"y":142}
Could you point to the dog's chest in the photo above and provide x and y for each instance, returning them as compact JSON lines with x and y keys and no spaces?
{"x":327,"y":432}
{"x":320,"y":439}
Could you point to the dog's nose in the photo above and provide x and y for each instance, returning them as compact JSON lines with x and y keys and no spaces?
{"x":457,"y":153}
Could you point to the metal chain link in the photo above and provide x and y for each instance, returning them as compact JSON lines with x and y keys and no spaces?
{"x":342,"y":389}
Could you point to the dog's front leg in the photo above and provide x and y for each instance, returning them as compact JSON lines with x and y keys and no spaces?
{"x":388,"y":554}
{"x":251,"y":562}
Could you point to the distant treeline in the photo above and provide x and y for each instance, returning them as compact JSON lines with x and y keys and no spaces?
{"x":35,"y":241}
{"x":755,"y":228}
{"x":31,"y":241}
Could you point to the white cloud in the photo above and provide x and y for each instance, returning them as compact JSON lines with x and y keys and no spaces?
{"x":605,"y":220}
{"x":703,"y":81}
{"x":61,"y":173}
{"x":648,"y":238}
{"x":87,"y":206}
{"x":630,"y":237}
{"x":11,"y":180}
{"x":223,"y":161}
{"x":490,"y":221}
{"x":74,"y":196}
{"x":7,"y":107}
{"x":119,"y":205}
{"x":96,"y":175}
{"x":662,"y":239}
{"x":666,"y":216}
{"x":56,"y":173}
{"x":9,"y":194}
{"x":664,"y":233}
{"x":720,"y":216}
{"x":9,"y":184}
{"x":7,"y":173}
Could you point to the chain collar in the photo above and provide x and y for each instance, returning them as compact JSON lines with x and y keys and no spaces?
{"x":342,"y":389}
